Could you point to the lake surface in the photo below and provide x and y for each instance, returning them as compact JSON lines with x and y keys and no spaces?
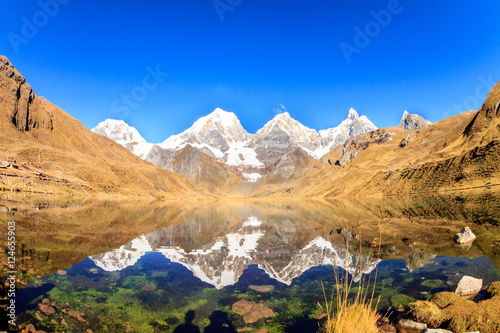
{"x":118,"y":265}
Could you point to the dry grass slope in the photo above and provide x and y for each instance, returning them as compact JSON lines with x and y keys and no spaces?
{"x":57,"y":154}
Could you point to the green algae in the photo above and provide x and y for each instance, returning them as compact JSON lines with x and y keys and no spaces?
{"x":401,"y":300}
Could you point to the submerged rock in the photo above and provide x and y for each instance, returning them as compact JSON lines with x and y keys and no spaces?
{"x":464,"y":237}
{"x":262,"y":289}
{"x":47,"y":309}
{"x":149,"y":287}
{"x":77,"y":315}
{"x":30,"y":328}
{"x":468,"y":286}
{"x":251,"y":311}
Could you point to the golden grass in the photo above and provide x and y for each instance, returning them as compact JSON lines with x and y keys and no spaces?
{"x":359,"y":315}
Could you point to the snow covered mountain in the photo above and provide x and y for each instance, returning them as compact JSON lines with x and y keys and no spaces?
{"x":220,"y":135}
{"x":352,"y":126}
{"x":222,"y":262}
{"x":279,"y":134}
{"x":127,"y":136}
{"x":217,"y":146}
{"x":127,"y":255}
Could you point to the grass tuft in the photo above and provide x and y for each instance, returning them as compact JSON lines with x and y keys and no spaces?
{"x":346,"y":315}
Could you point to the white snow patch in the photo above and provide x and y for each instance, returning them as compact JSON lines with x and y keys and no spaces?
{"x":142,"y":149}
{"x":240,"y":154}
{"x":252,"y":177}
{"x":252,"y":221}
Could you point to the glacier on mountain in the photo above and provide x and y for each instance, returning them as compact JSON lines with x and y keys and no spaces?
{"x":221,"y":135}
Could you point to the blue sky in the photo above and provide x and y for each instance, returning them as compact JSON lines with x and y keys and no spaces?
{"x":318,"y":58}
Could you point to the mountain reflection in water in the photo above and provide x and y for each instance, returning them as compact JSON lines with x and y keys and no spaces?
{"x":222,"y":261}
{"x":144,"y":265}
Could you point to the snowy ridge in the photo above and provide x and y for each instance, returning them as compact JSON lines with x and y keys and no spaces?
{"x":352,"y":126}
{"x":127,"y":255}
{"x":221,"y":136}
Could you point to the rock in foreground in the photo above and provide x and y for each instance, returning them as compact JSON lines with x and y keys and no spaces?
{"x":468,"y":286}
{"x":449,"y":311}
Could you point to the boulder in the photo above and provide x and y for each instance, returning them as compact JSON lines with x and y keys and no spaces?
{"x":464,"y":237}
{"x":411,"y":325}
{"x":468,"y":286}
{"x":435,"y":330}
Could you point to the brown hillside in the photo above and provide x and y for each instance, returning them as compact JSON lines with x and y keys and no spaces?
{"x":458,"y":152}
{"x":55,"y":153}
{"x":485,"y":126}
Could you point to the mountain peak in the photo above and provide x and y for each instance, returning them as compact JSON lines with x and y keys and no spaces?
{"x":10,"y":71}
{"x":412,"y":121}
{"x":112,"y":122}
{"x":224,"y":118}
{"x":283,"y":115}
{"x":218,"y":112}
{"x":119,"y":131}
{"x":353,"y":114}
{"x":214,"y":131}
{"x":352,"y":126}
